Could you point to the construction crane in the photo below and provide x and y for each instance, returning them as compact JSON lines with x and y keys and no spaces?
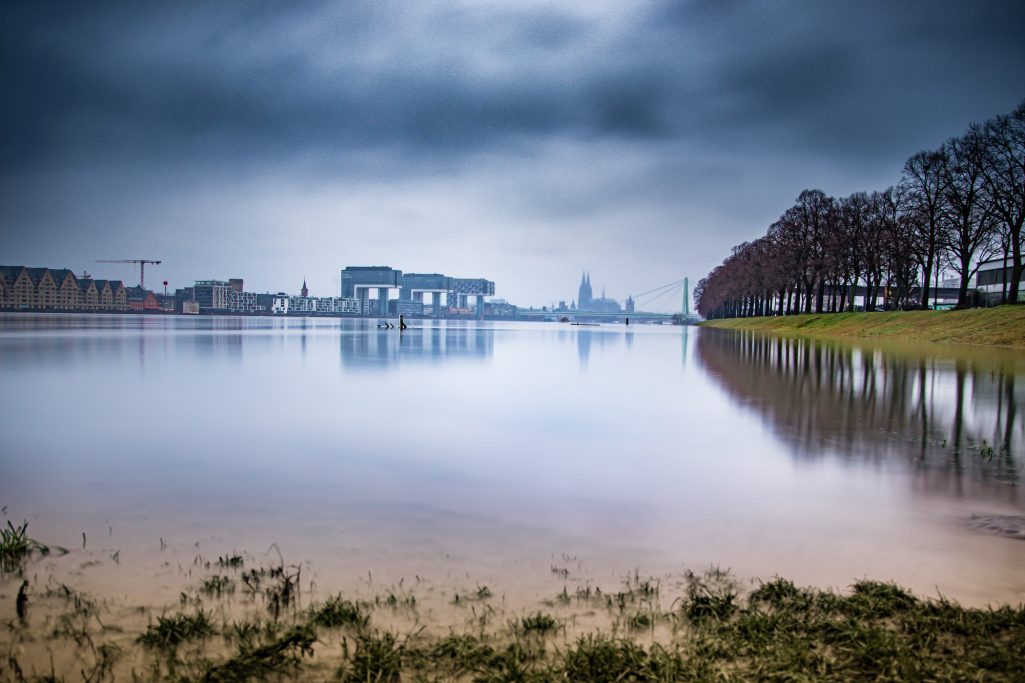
{"x":142,"y":266}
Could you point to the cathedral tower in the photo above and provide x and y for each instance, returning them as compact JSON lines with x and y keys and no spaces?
{"x":585,"y":296}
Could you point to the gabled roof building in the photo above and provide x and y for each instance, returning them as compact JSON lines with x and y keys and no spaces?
{"x":58,"y":289}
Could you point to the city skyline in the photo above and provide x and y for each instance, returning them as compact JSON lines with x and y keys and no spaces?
{"x":518,"y":138}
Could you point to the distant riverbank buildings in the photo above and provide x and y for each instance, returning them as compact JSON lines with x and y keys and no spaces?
{"x":365,"y":291}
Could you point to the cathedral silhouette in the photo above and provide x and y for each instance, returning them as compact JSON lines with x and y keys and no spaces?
{"x":587,"y":302}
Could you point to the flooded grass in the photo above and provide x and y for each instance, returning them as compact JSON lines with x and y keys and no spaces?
{"x":702,"y":626}
{"x":172,"y":631}
{"x":338,"y":612}
{"x":16,"y":547}
{"x":280,"y":657}
{"x":538,"y":623}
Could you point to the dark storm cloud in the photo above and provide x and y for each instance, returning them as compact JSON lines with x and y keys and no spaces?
{"x":851,"y":78}
{"x":123,"y":81}
{"x":272,"y":79}
{"x":670,"y":127}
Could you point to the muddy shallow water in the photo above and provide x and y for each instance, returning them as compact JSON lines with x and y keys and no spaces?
{"x":499,"y":454}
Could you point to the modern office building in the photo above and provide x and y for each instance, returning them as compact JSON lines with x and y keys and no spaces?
{"x":374,"y":286}
{"x":243,"y":302}
{"x":361,"y":282}
{"x":279,"y":303}
{"x":212,"y":294}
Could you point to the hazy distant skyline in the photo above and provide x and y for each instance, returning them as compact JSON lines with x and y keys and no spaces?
{"x":520,"y":141}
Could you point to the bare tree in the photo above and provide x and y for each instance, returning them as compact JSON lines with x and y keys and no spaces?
{"x":901,"y":248}
{"x":947,"y":212}
{"x":853,"y":216}
{"x":967,"y":218}
{"x":812,"y":217}
{"x":1004,"y":175}
{"x":923,"y":193}
{"x":877,"y":232}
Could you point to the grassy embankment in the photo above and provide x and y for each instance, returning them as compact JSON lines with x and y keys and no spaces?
{"x":1002,"y":326}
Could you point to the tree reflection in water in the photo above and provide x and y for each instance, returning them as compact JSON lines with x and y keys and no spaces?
{"x":950,"y":410}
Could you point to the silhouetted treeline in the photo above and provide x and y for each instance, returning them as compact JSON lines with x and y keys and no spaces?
{"x":953,"y":208}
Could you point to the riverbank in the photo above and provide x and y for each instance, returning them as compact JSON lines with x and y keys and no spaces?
{"x":238,"y":622}
{"x":1001,"y":326}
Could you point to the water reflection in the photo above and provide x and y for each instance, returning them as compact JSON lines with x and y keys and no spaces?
{"x":953,"y":410}
{"x":480,"y":447}
{"x":379,"y":348}
{"x":598,"y":339}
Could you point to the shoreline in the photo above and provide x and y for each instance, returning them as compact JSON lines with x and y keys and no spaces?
{"x":1003,"y":326}
{"x":238,"y":619}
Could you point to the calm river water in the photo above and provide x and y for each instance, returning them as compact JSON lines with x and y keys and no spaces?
{"x":496,"y":452}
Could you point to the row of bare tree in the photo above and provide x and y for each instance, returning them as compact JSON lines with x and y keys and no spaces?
{"x":954,"y":208}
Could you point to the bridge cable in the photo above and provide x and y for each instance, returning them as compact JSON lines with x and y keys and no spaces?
{"x":678,"y":282}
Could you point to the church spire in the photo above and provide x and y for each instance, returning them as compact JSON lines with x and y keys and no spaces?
{"x":305,"y":291}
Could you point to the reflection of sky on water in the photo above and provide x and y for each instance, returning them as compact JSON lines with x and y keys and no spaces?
{"x":492,"y":443}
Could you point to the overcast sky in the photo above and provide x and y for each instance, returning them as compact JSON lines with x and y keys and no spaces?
{"x":519,"y":141}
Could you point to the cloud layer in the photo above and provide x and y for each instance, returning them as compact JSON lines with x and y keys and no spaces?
{"x":520,"y":141}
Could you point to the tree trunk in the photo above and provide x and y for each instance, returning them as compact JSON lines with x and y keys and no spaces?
{"x":1003,"y":278}
{"x":926,"y":273}
{"x":962,"y":290}
{"x":1016,"y":266}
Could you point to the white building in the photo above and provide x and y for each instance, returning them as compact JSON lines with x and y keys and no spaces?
{"x":279,"y":304}
{"x":302,"y":304}
{"x":283,"y":304}
{"x":243,"y":302}
{"x":992,"y":276}
{"x":346,"y":306}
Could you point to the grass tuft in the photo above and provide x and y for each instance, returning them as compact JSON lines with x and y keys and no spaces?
{"x":375,"y":658}
{"x":338,"y":612}
{"x":538,"y":623}
{"x":16,"y":547}
{"x":169,"y":632}
{"x":279,"y":657}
